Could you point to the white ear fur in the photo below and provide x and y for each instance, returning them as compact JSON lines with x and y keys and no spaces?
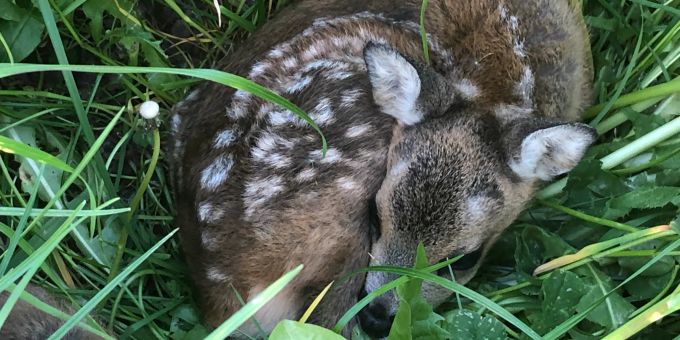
{"x":550,"y":152}
{"x":396,"y":84}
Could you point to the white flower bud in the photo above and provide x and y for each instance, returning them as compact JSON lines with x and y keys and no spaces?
{"x":149,"y":109}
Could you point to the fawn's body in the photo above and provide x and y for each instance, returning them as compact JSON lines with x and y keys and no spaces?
{"x":450,"y":152}
{"x":446,"y":154}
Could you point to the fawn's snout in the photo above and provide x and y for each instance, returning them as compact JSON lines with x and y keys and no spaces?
{"x":376,"y":318}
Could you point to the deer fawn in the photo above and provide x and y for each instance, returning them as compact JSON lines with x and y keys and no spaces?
{"x":446,"y":153}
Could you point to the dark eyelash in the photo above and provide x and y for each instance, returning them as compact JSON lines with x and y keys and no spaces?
{"x":374,"y":220}
{"x":468,"y":261}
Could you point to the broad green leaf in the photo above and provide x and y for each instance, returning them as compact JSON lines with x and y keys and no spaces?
{"x":415,"y":318}
{"x":611,"y":313}
{"x":647,"y":287}
{"x":401,"y":326}
{"x":561,"y":292}
{"x":22,"y":36}
{"x":294,"y":330}
{"x":10,"y":11}
{"x":536,"y":245}
{"x":105,"y":243}
{"x":654,"y":197}
{"x":95,"y":9}
{"x":359,"y":334}
{"x":468,"y":325}
{"x":22,"y":142}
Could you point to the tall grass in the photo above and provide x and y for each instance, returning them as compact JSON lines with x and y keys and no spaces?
{"x":74,"y":154}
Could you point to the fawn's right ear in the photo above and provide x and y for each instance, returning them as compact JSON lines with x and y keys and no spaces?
{"x":396,"y":83}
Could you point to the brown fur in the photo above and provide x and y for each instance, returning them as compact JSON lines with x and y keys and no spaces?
{"x":25,"y":322}
{"x":461,"y":149}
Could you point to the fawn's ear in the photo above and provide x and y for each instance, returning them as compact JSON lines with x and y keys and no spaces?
{"x":551,"y":151}
{"x":395,"y":81}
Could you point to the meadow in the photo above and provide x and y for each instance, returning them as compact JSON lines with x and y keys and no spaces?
{"x":86,"y":206}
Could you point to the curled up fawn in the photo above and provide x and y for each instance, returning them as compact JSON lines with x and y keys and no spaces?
{"x":445,"y":151}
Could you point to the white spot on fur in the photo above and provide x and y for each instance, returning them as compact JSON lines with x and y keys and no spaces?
{"x":208,"y":213}
{"x":269,"y":140}
{"x":503,"y":11}
{"x":258,"y":192}
{"x":514,"y":23}
{"x":277,"y":160}
{"x":264,"y":109}
{"x":259,"y":69}
{"x":239,"y":104}
{"x":312,"y":51}
{"x":333,"y":155}
{"x":357,"y":130}
{"x":217,"y":172}
{"x":476,"y":207}
{"x":175,"y":122}
{"x":216,"y":275}
{"x":237,"y":111}
{"x":300,"y":84}
{"x":241,"y":95}
{"x":396,"y":84}
{"x":518,"y":48}
{"x":209,"y":241}
{"x":225,"y":138}
{"x":320,"y":64}
{"x":276,"y":53}
{"x":347,"y":183}
{"x":290,"y":62}
{"x":282,"y":117}
{"x":339,"y":75}
{"x":467,"y":89}
{"x":193,"y":96}
{"x":323,"y":112}
{"x":306,"y":175}
{"x":400,"y":169}
{"x":525,"y":88}
{"x":349,"y":97}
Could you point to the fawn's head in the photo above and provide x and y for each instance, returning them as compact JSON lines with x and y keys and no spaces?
{"x":456,"y":176}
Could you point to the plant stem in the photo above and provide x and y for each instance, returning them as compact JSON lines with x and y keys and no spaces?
{"x":668,"y":305}
{"x":621,"y":155}
{"x":134,"y":204}
{"x":641,"y":144}
{"x":661,"y":90}
{"x":590,"y":218}
{"x":423,"y":32}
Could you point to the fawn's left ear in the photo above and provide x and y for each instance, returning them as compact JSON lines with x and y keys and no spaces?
{"x":548,"y":152}
{"x":395,"y":81}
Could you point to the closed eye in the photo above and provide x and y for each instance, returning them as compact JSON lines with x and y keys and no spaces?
{"x":374,"y":220}
{"x":466,"y":262}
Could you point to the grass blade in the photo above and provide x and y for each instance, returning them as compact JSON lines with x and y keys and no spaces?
{"x":250,"y":308}
{"x":14,"y":147}
{"x":90,"y":305}
{"x":220,"y":77}
{"x":462,"y":290}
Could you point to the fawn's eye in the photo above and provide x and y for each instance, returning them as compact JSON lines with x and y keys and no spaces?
{"x":466,"y":262}
{"x":374,"y":220}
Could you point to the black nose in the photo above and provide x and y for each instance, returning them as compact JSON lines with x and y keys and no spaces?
{"x":375,"y":320}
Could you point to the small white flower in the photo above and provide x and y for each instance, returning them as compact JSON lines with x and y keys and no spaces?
{"x":149,"y":109}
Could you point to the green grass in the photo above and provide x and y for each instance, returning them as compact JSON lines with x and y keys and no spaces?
{"x":86,"y":211}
